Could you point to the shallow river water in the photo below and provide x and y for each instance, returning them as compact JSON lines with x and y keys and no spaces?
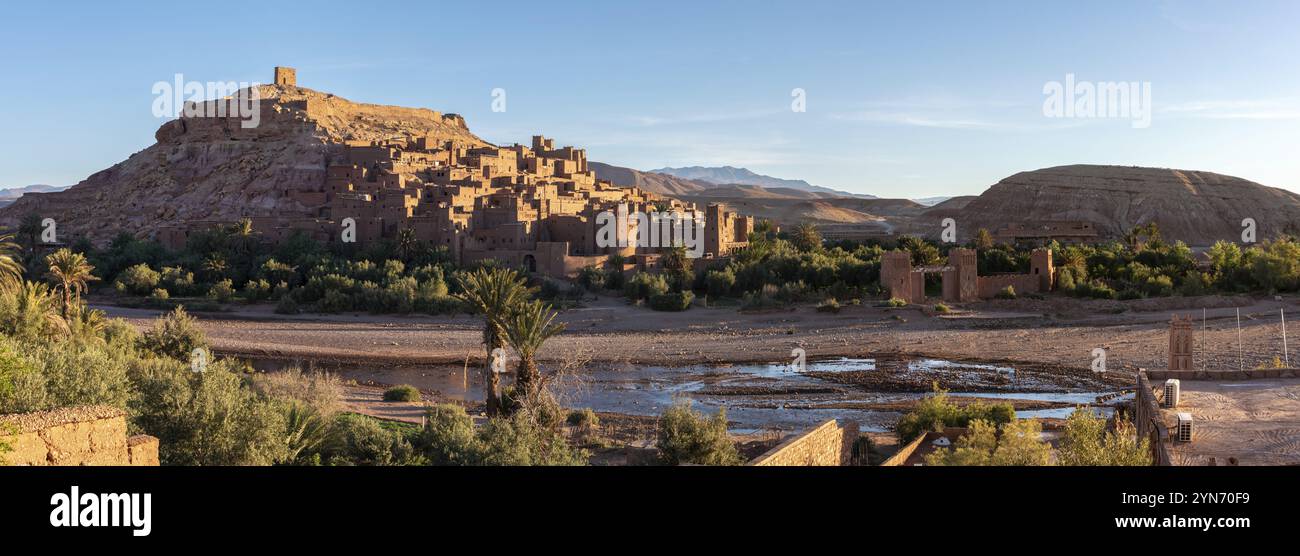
{"x":757,"y":397}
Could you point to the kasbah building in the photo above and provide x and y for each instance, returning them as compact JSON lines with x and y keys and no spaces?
{"x":533,"y":207}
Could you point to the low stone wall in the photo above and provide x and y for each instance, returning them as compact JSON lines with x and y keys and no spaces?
{"x":89,"y":435}
{"x":900,"y":457}
{"x":990,"y":286}
{"x":826,"y":444}
{"x":1223,"y":374}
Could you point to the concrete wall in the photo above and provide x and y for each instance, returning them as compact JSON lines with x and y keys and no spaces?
{"x":89,"y":435}
{"x":826,"y":444}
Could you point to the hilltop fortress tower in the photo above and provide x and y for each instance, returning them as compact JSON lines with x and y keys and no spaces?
{"x":286,"y":76}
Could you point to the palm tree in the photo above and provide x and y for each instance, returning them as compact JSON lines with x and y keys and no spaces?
{"x":33,"y":313}
{"x":496,"y":292}
{"x":527,"y":329}
{"x":407,"y":244}
{"x":806,"y":237}
{"x":69,"y":272}
{"x":11,"y":271}
{"x":215,"y":266}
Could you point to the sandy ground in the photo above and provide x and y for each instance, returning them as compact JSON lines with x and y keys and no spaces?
{"x":1059,"y":331}
{"x":1255,"y":421}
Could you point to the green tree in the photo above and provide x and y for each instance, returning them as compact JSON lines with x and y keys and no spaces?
{"x":806,"y":237}
{"x":69,"y":272}
{"x":1087,"y":442}
{"x":495,"y":292}
{"x":11,"y":270}
{"x":527,"y":329}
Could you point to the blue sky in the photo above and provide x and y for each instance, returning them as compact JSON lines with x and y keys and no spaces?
{"x":904,"y":99}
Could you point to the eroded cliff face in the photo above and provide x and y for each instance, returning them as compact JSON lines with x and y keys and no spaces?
{"x":1198,"y":208}
{"x":210,"y":168}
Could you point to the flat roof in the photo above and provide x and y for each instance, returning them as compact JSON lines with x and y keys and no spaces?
{"x":1256,"y":421}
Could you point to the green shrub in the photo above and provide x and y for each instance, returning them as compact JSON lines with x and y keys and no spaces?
{"x":257,"y":290}
{"x":402,"y":393}
{"x":644,"y":286}
{"x":361,"y":440}
{"x":583,"y":417}
{"x":830,"y":305}
{"x":935,"y":412}
{"x":895,"y":302}
{"x":673,"y":301}
{"x":174,"y":335}
{"x":206,"y":418}
{"x":286,"y":306}
{"x":517,"y":440}
{"x":159,"y":294}
{"x":1087,"y":442}
{"x":222,"y":291}
{"x":941,"y":308}
{"x":685,"y":436}
{"x":22,"y":386}
{"x":591,"y":277}
{"x":1006,"y":293}
{"x":720,"y":282}
{"x":177,"y":280}
{"x":448,"y":437}
{"x":137,"y":280}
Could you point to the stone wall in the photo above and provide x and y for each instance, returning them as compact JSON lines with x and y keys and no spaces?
{"x":89,"y":435}
{"x":826,"y":444}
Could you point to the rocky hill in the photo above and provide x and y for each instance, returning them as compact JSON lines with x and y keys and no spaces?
{"x":1196,"y":207}
{"x":213,"y":168}
{"x":730,"y":175}
{"x":663,"y":184}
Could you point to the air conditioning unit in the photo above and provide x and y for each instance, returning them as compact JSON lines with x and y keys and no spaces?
{"x":1172,"y":388}
{"x":1184,"y":432}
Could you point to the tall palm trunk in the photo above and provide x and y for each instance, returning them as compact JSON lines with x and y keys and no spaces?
{"x":528,"y":377}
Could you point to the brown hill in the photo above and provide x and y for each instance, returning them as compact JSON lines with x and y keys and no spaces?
{"x":663,"y":184}
{"x":1196,"y":207}
{"x":212,"y":168}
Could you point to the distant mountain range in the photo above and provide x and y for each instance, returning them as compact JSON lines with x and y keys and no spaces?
{"x":931,"y":201}
{"x":10,"y":194}
{"x":730,"y":175}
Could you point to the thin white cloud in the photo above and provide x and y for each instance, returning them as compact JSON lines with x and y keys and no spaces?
{"x":1253,"y":109}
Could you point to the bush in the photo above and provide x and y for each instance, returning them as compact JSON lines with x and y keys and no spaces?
{"x":137,"y":280}
{"x":448,"y":437}
{"x":222,"y":291}
{"x":583,"y":418}
{"x":206,"y":418}
{"x":1087,"y":442}
{"x":159,"y":294}
{"x":177,"y":281}
{"x":831,"y":305}
{"x":175,"y":335}
{"x":519,"y":441}
{"x":644,"y":286}
{"x":935,"y":412}
{"x":685,"y":436}
{"x":1006,"y":293}
{"x":22,"y":386}
{"x":675,"y":301}
{"x":257,"y":290}
{"x":895,"y":302}
{"x":287,"y":306}
{"x":941,"y":308}
{"x":402,"y":393}
{"x":1020,"y":444}
{"x":361,"y":440}
{"x":720,"y":282}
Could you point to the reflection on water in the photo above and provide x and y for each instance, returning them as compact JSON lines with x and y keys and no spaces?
{"x":756,"y":396}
